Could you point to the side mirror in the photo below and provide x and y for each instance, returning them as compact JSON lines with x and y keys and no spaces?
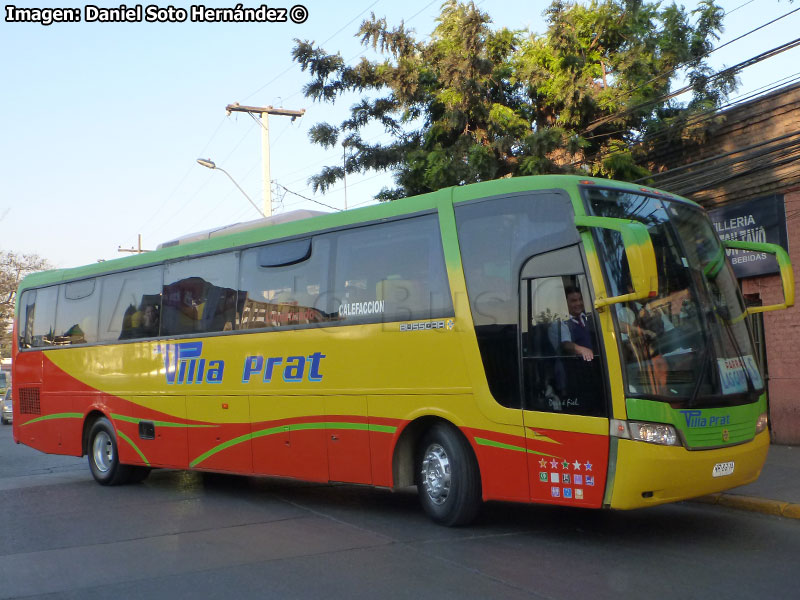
{"x":787,"y":276}
{"x":640,"y":254}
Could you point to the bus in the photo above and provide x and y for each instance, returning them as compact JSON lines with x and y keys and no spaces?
{"x":549,"y":339}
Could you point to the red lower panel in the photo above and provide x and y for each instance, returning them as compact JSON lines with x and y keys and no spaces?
{"x":349,"y":455}
{"x":504,"y":470}
{"x":168,"y":449}
{"x":237,"y":457}
{"x":309,"y":455}
{"x":571,"y":472}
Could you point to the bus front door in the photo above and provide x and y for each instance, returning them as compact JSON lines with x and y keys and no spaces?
{"x":565,"y":408}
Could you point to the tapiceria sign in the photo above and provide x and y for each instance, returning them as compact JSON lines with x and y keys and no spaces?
{"x":757,"y":220}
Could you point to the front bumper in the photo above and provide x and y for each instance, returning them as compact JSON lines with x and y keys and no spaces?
{"x":649,"y":474}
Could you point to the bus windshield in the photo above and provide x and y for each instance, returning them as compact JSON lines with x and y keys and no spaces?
{"x":690,"y":344}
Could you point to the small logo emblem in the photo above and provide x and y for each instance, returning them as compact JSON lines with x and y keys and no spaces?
{"x":725,"y":435}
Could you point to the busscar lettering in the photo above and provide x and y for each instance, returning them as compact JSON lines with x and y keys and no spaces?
{"x":43,"y":16}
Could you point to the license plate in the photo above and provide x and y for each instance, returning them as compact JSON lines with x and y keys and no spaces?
{"x":722,"y":469}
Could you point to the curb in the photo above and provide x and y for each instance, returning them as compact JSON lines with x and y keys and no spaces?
{"x":760,"y":505}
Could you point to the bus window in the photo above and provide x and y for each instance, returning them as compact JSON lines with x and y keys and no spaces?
{"x":200,"y":295}
{"x":392,"y":272}
{"x":27,"y":309}
{"x":38,"y":311}
{"x":284,"y":284}
{"x":130,"y":304}
{"x":76,"y":318}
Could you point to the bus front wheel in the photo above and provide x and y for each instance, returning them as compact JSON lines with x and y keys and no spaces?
{"x":103,"y":456}
{"x":448,"y":479}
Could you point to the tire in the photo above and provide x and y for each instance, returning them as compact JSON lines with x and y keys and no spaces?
{"x":103,"y":455}
{"x":449,"y":484}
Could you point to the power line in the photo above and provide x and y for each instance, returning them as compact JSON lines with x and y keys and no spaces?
{"x":709,"y":53}
{"x":166,"y":201}
{"x":307,"y":198}
{"x":292,"y":66}
{"x":733,"y":10}
{"x":727,"y":71}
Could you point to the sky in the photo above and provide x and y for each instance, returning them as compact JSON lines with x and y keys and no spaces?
{"x":101,"y":123}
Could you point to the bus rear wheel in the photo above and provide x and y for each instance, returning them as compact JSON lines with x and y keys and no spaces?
{"x":103,"y":456}
{"x":449,"y":483}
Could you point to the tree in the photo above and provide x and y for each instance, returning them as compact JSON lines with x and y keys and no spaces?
{"x":473,"y":103}
{"x":13,"y":268}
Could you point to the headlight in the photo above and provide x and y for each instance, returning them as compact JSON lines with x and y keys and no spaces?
{"x":652,"y":433}
{"x":762,"y":423}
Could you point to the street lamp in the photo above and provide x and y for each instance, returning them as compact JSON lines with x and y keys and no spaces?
{"x":209,"y":164}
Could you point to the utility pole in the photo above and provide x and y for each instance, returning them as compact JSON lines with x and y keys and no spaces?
{"x":265,"y":111}
{"x":344,"y":169}
{"x":138,"y":250}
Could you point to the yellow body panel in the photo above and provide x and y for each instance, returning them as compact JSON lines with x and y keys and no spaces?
{"x":674,"y":473}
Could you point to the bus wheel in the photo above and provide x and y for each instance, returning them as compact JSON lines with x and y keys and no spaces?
{"x":449,"y":483}
{"x":103,"y":456}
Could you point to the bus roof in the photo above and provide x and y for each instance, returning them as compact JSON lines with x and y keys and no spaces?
{"x":324,"y":222}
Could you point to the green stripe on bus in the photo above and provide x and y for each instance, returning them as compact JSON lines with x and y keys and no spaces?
{"x":137,"y":420}
{"x":291,"y":427}
{"x":382,"y":428}
{"x":484,"y":442}
{"x":54,"y":416}
{"x":134,"y":446}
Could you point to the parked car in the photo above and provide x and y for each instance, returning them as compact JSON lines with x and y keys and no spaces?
{"x":8,"y":413}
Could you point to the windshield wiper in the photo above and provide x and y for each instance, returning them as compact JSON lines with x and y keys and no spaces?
{"x":703,"y":370}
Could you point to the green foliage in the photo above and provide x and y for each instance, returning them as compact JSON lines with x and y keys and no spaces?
{"x":472,"y":103}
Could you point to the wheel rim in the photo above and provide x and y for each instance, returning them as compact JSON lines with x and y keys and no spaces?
{"x":435,"y":473}
{"x":103,"y":451}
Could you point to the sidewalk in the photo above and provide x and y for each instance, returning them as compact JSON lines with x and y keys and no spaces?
{"x":775,"y":492}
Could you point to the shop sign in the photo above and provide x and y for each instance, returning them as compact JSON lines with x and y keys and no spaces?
{"x":757,"y":220}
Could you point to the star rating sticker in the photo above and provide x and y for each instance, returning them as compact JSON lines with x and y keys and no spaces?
{"x":588,"y":466}
{"x":576,"y":465}
{"x":543,"y":463}
{"x":554,"y":463}
{"x":565,"y":464}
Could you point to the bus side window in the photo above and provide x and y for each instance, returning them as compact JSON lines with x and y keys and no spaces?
{"x":40,"y":317}
{"x":393,"y":271}
{"x":26,"y":313}
{"x":130,"y":304}
{"x":76,"y":317}
{"x":199,"y":294}
{"x":284,"y":284}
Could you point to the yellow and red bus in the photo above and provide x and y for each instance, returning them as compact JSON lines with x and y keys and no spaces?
{"x":551,"y":339}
